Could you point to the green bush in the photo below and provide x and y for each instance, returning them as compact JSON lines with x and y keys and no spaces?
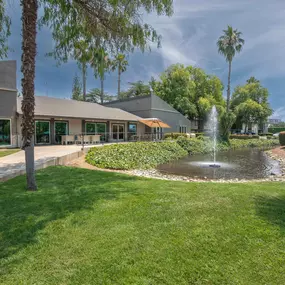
{"x":282,"y":138}
{"x":244,"y":137}
{"x":194,"y":146}
{"x":199,"y":135}
{"x":174,"y":135}
{"x":138,"y":155}
{"x":265,"y":134}
{"x":275,"y":130}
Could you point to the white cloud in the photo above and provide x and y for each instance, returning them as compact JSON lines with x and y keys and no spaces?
{"x":279,"y":114}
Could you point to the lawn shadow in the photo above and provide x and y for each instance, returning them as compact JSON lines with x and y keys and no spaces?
{"x":62,"y":191}
{"x":272,"y":209}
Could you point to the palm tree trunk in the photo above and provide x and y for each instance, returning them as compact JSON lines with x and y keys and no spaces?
{"x":29,"y":47}
{"x":84,"y":80}
{"x":229,"y":86}
{"x":119,"y":81}
{"x":102,"y":91}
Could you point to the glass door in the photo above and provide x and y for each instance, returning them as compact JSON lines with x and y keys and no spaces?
{"x":42,"y":132}
{"x":118,"y":131}
{"x":60,"y":129}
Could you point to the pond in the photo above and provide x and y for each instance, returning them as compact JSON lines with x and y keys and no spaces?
{"x":233,"y":164}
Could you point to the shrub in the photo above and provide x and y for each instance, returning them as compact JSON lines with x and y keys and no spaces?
{"x":199,"y":135}
{"x":282,"y":138}
{"x":275,"y":130}
{"x":238,"y":143}
{"x":138,"y":155}
{"x":174,"y":135}
{"x":244,"y":137}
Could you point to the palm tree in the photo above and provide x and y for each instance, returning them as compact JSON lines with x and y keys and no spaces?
{"x":138,"y":89}
{"x":83,"y":54}
{"x":101,"y":64}
{"x":121,"y":63}
{"x":229,"y":44}
{"x":29,"y":31}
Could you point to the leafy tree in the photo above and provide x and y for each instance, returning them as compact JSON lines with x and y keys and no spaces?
{"x":5,"y":23}
{"x":252,"y":79}
{"x":190,"y":90}
{"x":227,"y":120}
{"x":250,"y":112}
{"x":77,"y":89}
{"x":115,"y":25}
{"x":95,"y":96}
{"x":250,"y":102}
{"x":121,"y":64}
{"x":229,"y":44}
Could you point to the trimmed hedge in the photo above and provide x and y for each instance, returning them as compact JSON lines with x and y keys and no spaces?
{"x":244,"y":137}
{"x":137,"y":155}
{"x":174,"y":135}
{"x":275,"y":130}
{"x":282,"y":138}
{"x":195,"y":146}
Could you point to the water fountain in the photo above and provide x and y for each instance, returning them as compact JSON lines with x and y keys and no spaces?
{"x":213,"y":127}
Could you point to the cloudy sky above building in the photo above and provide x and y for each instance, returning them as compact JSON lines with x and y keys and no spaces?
{"x":188,"y":37}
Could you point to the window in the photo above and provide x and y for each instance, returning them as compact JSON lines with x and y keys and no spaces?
{"x":133,"y":129}
{"x":183,"y":129}
{"x":5,"y":132}
{"x":60,"y":129}
{"x":96,"y":129}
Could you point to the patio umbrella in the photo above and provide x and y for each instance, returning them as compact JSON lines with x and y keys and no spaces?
{"x":154,"y":123}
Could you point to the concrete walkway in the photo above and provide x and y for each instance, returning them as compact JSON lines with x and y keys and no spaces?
{"x":14,"y":164}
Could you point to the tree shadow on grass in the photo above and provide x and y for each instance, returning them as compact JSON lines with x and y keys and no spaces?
{"x":62,"y":191}
{"x":272,"y":209}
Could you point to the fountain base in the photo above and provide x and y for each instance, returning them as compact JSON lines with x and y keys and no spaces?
{"x":214,"y":165}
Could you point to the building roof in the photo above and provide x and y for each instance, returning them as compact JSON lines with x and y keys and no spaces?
{"x":67,"y":108}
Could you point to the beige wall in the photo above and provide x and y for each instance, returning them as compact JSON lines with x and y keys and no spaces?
{"x":75,"y":126}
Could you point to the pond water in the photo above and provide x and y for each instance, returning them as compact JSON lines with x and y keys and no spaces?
{"x":241,"y":164}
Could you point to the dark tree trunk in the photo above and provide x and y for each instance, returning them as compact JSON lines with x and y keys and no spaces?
{"x":200,"y":125}
{"x":102,"y":91}
{"x":29,"y":31}
{"x":84,"y":80}
{"x":229,"y":86}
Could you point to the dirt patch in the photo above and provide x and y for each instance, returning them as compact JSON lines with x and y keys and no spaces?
{"x":279,"y":152}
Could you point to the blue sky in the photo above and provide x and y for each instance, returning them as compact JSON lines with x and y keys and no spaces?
{"x":188,"y":37}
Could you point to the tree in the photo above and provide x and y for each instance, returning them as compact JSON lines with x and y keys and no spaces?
{"x":77,"y":89}
{"x":250,"y":102}
{"x":5,"y":23}
{"x":250,"y":112}
{"x":118,"y":23}
{"x":83,"y":54}
{"x":190,"y":91}
{"x":101,"y":64}
{"x":121,"y":64}
{"x":136,"y":89}
{"x":229,"y":44}
{"x":252,"y":79}
{"x":95,"y":96}
{"x":29,"y":31}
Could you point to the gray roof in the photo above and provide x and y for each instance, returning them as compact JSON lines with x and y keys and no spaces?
{"x":67,"y":108}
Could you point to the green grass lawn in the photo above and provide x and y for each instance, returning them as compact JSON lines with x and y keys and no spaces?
{"x":8,"y":152}
{"x":88,"y":227}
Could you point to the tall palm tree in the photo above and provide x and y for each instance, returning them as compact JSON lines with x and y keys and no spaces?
{"x":29,"y":31}
{"x":82,"y":53}
{"x":229,"y":44}
{"x":121,"y":63}
{"x":101,"y":64}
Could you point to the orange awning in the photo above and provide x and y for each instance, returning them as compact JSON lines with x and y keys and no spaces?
{"x":154,"y":123}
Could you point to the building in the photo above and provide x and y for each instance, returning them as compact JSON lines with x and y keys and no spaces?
{"x":57,"y":118}
{"x":152,"y":106}
{"x":273,"y":121}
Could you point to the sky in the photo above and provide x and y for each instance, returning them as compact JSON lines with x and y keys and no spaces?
{"x":188,"y":37}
